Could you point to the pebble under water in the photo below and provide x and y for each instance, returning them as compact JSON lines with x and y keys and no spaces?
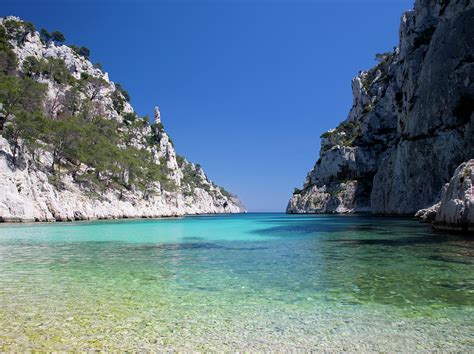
{"x":236,"y":282}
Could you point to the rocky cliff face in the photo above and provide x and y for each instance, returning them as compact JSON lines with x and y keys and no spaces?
{"x":411,"y":123}
{"x":30,"y":189}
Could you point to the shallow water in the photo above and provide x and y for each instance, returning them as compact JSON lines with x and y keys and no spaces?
{"x":249,"y":282}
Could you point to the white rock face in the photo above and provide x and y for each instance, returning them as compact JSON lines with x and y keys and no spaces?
{"x":339,"y":198}
{"x":27,"y":195}
{"x":411,"y":124}
{"x":456,"y":208}
{"x":26,"y":190}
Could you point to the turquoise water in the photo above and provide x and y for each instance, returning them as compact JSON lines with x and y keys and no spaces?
{"x":248,"y":282}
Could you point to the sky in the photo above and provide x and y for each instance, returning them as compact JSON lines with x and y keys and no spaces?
{"x":245,"y":87}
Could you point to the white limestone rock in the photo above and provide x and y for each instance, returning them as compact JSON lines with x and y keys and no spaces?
{"x":412,"y":119}
{"x":27,"y":191}
{"x":456,"y":208}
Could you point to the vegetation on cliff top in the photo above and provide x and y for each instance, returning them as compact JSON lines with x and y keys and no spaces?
{"x":95,"y":150}
{"x":345,"y":133}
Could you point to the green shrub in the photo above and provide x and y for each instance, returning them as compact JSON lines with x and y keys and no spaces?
{"x":180,"y":160}
{"x":8,"y":59}
{"x":118,"y":101}
{"x":58,"y":37}
{"x":45,"y":36}
{"x":26,"y":127}
{"x":119,"y":97}
{"x":192,"y":178}
{"x":20,"y":94}
{"x":345,"y":133}
{"x":54,"y":68}
{"x":91,"y":85}
{"x":18,"y":30}
{"x":160,"y":127}
{"x":124,"y":93}
{"x":57,"y":69}
{"x":130,"y":117}
{"x":226,"y":193}
{"x":82,"y":51}
{"x":98,"y":66}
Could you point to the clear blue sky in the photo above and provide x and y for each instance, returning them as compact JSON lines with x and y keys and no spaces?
{"x":245,"y":87}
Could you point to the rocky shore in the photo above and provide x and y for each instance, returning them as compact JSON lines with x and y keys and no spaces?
{"x":410,"y":127}
{"x":37,"y":185}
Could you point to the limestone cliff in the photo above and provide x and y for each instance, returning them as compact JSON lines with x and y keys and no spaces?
{"x":34,"y":186}
{"x":455,"y":210}
{"x":411,"y":124}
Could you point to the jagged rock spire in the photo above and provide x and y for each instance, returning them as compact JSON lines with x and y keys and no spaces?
{"x":157,"y":114}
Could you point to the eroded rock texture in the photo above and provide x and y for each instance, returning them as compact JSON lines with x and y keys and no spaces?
{"x":411,"y":124}
{"x":30,"y":191}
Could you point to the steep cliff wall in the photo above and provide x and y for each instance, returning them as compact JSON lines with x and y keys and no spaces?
{"x":48,"y":174}
{"x":411,"y":123}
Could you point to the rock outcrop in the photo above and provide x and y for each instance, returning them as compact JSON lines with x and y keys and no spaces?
{"x":31,"y":191}
{"x":455,"y":211}
{"x":411,"y":123}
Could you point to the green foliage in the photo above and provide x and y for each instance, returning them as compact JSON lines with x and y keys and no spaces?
{"x":380,"y":72}
{"x":180,"y":160}
{"x":82,"y":51}
{"x":20,"y":93}
{"x":133,"y":131}
{"x":76,"y":138}
{"x":124,"y":93}
{"x":54,"y":68}
{"x":32,"y":66}
{"x":119,"y":97}
{"x":380,"y":57}
{"x":57,"y":69}
{"x":156,"y":130}
{"x":8,"y":59}
{"x":29,"y":27}
{"x":160,"y":173}
{"x":64,"y":140}
{"x":145,"y":120}
{"x":18,"y":30}
{"x":72,"y":101}
{"x":26,"y":126}
{"x":93,"y":149}
{"x":226,"y":193}
{"x":58,"y":37}
{"x":192,"y":178}
{"x":160,"y":127}
{"x":45,"y":36}
{"x":98,"y":66}
{"x":130,"y":117}
{"x":367,"y":108}
{"x":296,"y":191}
{"x":96,"y":143}
{"x":345,"y":133}
{"x":91,"y":85}
{"x":118,"y":101}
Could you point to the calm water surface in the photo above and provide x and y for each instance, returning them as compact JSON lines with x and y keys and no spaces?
{"x":249,"y":282}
